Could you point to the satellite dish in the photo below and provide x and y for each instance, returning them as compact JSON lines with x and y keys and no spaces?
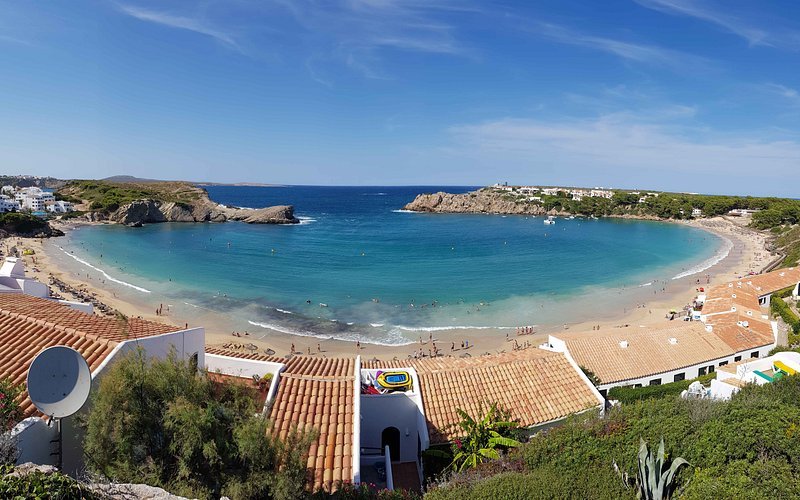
{"x":59,"y":381}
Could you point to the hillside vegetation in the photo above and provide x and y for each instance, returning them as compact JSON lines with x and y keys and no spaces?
{"x":746,"y":448}
{"x":106,"y":197}
{"x":772,"y":211}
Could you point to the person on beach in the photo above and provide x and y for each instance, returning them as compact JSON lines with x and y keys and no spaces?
{"x":292,"y":348}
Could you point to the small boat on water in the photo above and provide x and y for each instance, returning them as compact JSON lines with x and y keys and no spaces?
{"x":571,"y":217}
{"x":550,"y":220}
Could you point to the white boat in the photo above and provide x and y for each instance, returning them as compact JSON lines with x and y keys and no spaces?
{"x":550,"y":220}
{"x":571,"y":217}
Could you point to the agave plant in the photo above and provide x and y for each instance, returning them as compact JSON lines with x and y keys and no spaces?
{"x":656,"y":479}
{"x":483,"y":439}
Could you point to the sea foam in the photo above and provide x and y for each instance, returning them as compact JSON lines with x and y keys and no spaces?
{"x":105,"y":274}
{"x":723,"y":252}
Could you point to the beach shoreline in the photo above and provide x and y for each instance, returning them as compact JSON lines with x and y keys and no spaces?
{"x":747,"y":253}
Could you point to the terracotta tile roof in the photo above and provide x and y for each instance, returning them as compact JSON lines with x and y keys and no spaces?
{"x":234,"y":353}
{"x":318,"y":393}
{"x":50,"y":311}
{"x":730,"y":328}
{"x":773,"y":280}
{"x":314,"y":392}
{"x":30,"y":324}
{"x":743,"y":294}
{"x":536,"y":386}
{"x":649,"y":351}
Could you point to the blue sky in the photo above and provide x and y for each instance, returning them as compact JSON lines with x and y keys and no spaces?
{"x":689,"y":95}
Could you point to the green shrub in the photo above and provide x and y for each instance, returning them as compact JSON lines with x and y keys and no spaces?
{"x":629,"y":394}
{"x":348,"y":491}
{"x":542,"y":483}
{"x":780,"y":308}
{"x":9,"y":404}
{"x":15,"y":222}
{"x":38,"y":485}
{"x":742,"y":448}
{"x":162,"y":423}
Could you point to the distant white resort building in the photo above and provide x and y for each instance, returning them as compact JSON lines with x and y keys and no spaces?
{"x":59,"y":207}
{"x":575,"y":194}
{"x":8,"y":204}
{"x":37,"y":200}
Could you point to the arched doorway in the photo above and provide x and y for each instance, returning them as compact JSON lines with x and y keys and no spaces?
{"x":391,"y":437}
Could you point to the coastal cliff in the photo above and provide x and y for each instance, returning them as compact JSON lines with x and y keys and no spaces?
{"x":481,"y":201}
{"x":148,"y":211}
{"x":136,"y":204}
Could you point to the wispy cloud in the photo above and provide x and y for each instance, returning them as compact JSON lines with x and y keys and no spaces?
{"x":358,"y":32}
{"x":636,"y":52}
{"x":705,"y":11}
{"x":196,"y":25}
{"x":14,"y":40}
{"x":792,"y":95}
{"x":629,"y":146}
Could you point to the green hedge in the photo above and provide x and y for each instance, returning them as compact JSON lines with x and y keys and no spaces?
{"x":780,"y":308}
{"x":630,"y":394}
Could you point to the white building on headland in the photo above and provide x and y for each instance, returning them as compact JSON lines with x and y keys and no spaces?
{"x":59,"y":207}
{"x":8,"y":204}
{"x":34,"y":199}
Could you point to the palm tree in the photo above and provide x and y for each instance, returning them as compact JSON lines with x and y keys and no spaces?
{"x":483,"y":439}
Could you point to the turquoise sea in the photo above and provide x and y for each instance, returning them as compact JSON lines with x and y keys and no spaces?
{"x":360,"y":268}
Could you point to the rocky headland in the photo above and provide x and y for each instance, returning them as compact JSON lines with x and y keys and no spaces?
{"x":475,"y":202}
{"x":149,"y":211}
{"x":134,"y":204}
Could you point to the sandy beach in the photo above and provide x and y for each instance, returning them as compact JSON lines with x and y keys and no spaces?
{"x":748,"y":253}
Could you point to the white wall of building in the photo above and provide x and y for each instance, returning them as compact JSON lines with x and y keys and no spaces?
{"x":402,"y":410}
{"x":33,"y":437}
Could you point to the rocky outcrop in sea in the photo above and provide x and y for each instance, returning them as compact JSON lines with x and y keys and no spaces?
{"x":476,"y":202}
{"x":148,"y":211}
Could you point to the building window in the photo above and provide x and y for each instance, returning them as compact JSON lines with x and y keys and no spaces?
{"x":723,"y":363}
{"x":635,"y":386}
{"x":679,"y":376}
{"x":754,"y":354}
{"x":737,"y":358}
{"x":701,"y":371}
{"x":655,"y":381}
{"x":711,"y":369}
{"x":193,"y":361}
{"x":603,"y":392}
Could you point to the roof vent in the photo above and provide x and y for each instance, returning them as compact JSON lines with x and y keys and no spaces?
{"x":673,"y":340}
{"x":709,"y":328}
{"x":730,"y":285}
{"x":733,"y":308}
{"x":782,"y":274}
{"x":743,"y":323}
{"x":733,"y":296}
{"x":623,"y":344}
{"x":749,"y":313}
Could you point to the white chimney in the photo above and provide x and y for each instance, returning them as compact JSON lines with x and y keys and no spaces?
{"x":673,"y":340}
{"x":623,"y":344}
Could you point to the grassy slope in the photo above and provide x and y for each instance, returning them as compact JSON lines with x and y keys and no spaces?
{"x":103,"y":196}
